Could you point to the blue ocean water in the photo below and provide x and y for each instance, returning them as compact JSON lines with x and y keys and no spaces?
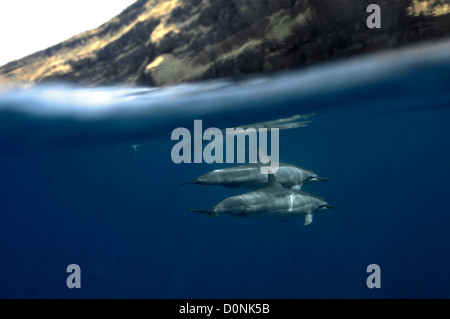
{"x":74,"y":191}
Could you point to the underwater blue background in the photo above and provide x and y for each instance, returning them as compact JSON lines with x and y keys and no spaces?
{"x":380,"y":132}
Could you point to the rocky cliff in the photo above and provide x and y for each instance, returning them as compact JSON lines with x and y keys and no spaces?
{"x":156,"y":42}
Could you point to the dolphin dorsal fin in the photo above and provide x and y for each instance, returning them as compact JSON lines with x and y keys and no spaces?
{"x":273,"y":182}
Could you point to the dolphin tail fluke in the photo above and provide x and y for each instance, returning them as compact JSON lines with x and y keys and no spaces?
{"x":209,"y":212}
{"x":330,"y":207}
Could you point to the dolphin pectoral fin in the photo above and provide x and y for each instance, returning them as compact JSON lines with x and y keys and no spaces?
{"x":209,"y":212}
{"x":308,"y":219}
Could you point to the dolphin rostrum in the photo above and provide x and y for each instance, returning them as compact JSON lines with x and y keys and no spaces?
{"x":249,"y":176}
{"x":273,"y":201}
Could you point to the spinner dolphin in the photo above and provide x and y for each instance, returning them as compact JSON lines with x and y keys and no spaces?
{"x":249,"y":176}
{"x":273,"y":201}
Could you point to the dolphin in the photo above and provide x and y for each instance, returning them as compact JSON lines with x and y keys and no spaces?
{"x":249,"y":176}
{"x":273,"y":202}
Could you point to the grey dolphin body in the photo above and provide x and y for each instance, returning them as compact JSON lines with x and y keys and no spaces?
{"x":249,"y":176}
{"x":273,"y":201}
